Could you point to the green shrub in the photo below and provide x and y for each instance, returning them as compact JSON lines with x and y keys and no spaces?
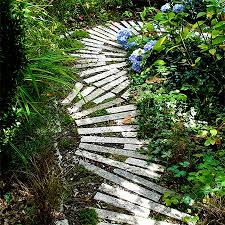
{"x":88,"y":217}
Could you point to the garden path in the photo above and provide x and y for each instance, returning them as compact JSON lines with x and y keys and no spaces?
{"x":106,"y":125}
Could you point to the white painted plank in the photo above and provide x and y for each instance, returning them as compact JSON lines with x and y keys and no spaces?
{"x":91,"y":40}
{"x":95,"y":64}
{"x":120,"y":193}
{"x":73,"y":94}
{"x":98,"y":107}
{"x":113,"y":27}
{"x":99,"y":34}
{"x":121,"y":87}
{"x":105,"y":33}
{"x":127,"y":25}
{"x":105,"y":41}
{"x":110,"y":78}
{"x":132,"y":147}
{"x":101,"y":76}
{"x":137,"y":210}
{"x":103,"y":68}
{"x":110,"y":31}
{"x":128,"y":219}
{"x":109,"y":129}
{"x":115,"y":54}
{"x":118,"y":25}
{"x":99,"y":119}
{"x":140,"y":24}
{"x":88,"y":56}
{"x":114,"y":83}
{"x":110,"y":150}
{"x":129,"y":134}
{"x":119,"y":180}
{"x":159,"y":208}
{"x":123,"y":108}
{"x":115,"y":59}
{"x":86,"y":99}
{"x":135,"y":25}
{"x":145,"y":164}
{"x":139,"y":180}
{"x":126,"y":95}
{"x":104,"y":97}
{"x":121,"y":165}
{"x":94,"y":49}
{"x":111,"y":140}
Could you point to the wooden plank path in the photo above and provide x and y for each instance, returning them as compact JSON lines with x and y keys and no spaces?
{"x":109,"y":147}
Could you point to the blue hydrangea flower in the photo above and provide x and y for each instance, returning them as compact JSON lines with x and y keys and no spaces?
{"x":178,"y":8}
{"x":149,"y":45}
{"x":165,"y":7}
{"x":224,"y":9}
{"x":136,"y":66}
{"x":130,"y":45}
{"x":123,"y":35}
{"x":136,"y":58}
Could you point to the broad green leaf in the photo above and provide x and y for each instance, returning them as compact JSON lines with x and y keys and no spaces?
{"x":150,"y":27}
{"x":212,"y":51}
{"x":197,"y":60}
{"x":213,"y":132}
{"x":219,"y":24}
{"x":204,"y":47}
{"x":215,"y":33}
{"x":201,"y":14}
{"x":185,"y":32}
{"x":218,"y":40}
{"x":159,"y":43}
{"x":197,"y":24}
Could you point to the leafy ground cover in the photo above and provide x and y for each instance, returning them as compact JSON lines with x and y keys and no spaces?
{"x":178,"y":82}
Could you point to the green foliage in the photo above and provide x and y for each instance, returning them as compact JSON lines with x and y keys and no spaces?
{"x":88,"y":217}
{"x":209,"y":178}
{"x":181,"y":101}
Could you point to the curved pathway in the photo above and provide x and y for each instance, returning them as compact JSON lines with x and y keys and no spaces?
{"x":109,"y":143}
